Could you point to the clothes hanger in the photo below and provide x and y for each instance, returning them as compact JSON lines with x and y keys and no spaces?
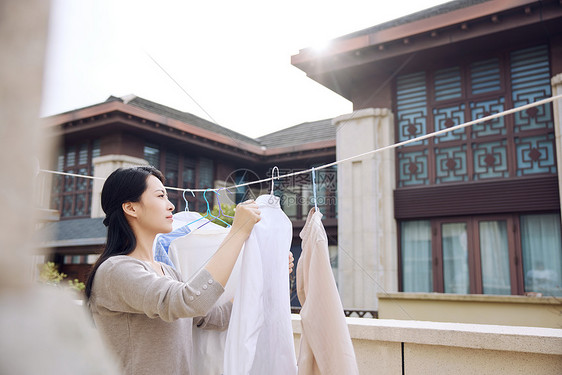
{"x":314,"y":190}
{"x":208,"y":209}
{"x":220,"y":209}
{"x":181,"y":218}
{"x":180,"y":230}
{"x":273,"y":178}
{"x":209,"y":212}
{"x":185,"y":199}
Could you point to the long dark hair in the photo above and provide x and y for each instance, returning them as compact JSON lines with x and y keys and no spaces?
{"x":123,"y":185}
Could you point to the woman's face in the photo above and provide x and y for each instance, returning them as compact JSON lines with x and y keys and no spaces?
{"x":154,"y":209}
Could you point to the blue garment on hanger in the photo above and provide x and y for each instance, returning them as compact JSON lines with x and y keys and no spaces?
{"x":163,"y":242}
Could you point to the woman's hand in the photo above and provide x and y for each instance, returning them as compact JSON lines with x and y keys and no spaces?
{"x":291,"y":262}
{"x":246,"y":215}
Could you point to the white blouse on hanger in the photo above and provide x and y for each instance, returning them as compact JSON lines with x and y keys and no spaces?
{"x":260,"y":336}
{"x":189,"y":254}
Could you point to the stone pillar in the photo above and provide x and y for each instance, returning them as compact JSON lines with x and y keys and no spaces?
{"x":23,"y":30}
{"x":557,"y":107}
{"x":43,"y":330}
{"x":103,"y":167}
{"x":367,"y":252}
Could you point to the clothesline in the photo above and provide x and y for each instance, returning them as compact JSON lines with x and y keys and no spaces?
{"x":381,"y":149}
{"x":395,"y":145}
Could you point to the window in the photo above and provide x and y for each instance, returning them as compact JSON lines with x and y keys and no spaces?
{"x":205,"y":173}
{"x":205,"y":180}
{"x":455,"y":258}
{"x":74,"y":259}
{"x":416,"y":256}
{"x":297,"y":196}
{"x":172,"y":167}
{"x":293,"y":201}
{"x":188,"y":173}
{"x":507,"y":147}
{"x":188,"y":181}
{"x":494,"y":255}
{"x":92,"y":258}
{"x":481,"y":254}
{"x":152,"y":155}
{"x":542,"y":258}
{"x":326,"y":191}
{"x":71,"y":195}
{"x":184,"y":171}
{"x":171,"y":172}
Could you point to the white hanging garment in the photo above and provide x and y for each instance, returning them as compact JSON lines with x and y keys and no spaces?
{"x":188,"y":217}
{"x":162,"y":242}
{"x":193,"y":256}
{"x":189,"y":254}
{"x":260,"y":336}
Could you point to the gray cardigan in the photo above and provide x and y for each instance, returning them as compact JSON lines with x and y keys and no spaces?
{"x":146,"y":318}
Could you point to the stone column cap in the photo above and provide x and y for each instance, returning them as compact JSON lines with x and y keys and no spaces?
{"x":362,"y":113}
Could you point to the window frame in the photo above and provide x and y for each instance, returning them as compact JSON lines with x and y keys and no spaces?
{"x":474,"y":251}
{"x":431,"y":147}
{"x":177,"y":197}
{"x":92,"y":150}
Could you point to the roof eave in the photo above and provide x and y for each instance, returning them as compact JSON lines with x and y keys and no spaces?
{"x":300,"y":148}
{"x":315,"y":63}
{"x":130,"y":110}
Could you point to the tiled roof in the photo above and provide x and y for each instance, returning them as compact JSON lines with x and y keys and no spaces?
{"x":306,"y":132}
{"x":184,"y":117}
{"x":295,"y":135}
{"x":60,"y":232}
{"x":426,"y":13}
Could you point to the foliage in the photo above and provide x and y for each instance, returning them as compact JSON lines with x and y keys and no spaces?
{"x":49,"y":274}
{"x":76,"y":284}
{"x":227,"y":209}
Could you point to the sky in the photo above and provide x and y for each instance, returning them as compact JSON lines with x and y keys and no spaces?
{"x":229,"y":61}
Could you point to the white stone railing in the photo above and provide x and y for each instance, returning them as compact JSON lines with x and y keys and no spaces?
{"x":419,"y":347}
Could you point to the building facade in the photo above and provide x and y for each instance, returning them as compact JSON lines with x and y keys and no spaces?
{"x":472,"y":211}
{"x":191,"y":152}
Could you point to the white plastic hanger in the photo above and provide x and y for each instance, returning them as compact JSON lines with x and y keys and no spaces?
{"x":273,"y":178}
{"x":314,"y":190}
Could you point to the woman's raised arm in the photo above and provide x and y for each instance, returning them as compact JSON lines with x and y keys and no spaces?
{"x":220,"y":266}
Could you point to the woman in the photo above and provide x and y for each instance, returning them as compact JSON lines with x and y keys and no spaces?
{"x":142,"y":308}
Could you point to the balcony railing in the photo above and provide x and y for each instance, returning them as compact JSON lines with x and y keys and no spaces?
{"x":414,"y":347}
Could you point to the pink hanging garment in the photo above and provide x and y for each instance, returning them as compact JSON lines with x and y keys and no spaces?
{"x":325,"y":346}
